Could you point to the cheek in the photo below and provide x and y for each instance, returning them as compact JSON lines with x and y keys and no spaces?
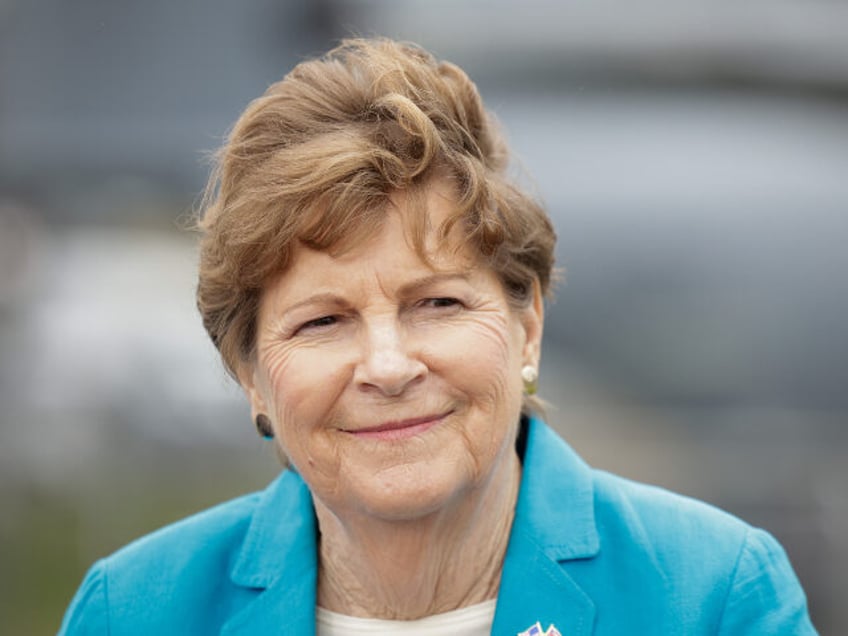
{"x":303,"y":386}
{"x":481,"y":354}
{"x":486,"y":360}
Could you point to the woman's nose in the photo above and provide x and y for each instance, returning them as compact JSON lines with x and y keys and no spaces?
{"x":387,"y":365}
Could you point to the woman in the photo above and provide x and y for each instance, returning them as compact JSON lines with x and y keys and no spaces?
{"x":375,"y":283}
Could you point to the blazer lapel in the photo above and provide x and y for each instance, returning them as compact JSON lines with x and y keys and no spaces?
{"x":277,"y":565}
{"x":554,"y":523}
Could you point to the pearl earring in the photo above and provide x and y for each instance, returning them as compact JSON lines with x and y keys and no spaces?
{"x":529,"y":375}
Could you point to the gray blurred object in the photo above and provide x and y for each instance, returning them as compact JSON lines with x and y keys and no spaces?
{"x":763,"y":42}
{"x":694,"y":158}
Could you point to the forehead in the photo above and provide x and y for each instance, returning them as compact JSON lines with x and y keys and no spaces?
{"x":392,"y":245}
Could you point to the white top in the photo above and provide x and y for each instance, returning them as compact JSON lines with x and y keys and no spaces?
{"x":475,"y":620}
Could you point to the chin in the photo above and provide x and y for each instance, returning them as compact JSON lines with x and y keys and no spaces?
{"x":409,"y":492}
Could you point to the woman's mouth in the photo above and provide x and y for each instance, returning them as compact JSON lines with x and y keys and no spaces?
{"x":399,"y":429}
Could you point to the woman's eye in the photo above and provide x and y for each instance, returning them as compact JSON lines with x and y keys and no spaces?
{"x":438,"y":303}
{"x":317,"y":323}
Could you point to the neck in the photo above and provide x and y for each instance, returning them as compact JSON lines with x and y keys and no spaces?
{"x":410,"y":569}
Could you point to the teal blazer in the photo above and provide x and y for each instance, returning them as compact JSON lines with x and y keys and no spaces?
{"x":590,"y":553}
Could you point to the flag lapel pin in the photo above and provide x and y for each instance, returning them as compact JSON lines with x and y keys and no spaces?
{"x":536,"y":630}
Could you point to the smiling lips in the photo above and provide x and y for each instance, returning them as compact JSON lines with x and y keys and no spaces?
{"x":399,"y":429}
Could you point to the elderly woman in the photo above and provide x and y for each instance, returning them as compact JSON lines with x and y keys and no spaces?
{"x":375,"y":283}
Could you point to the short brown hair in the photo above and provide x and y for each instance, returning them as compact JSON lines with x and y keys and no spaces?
{"x":314,"y":160}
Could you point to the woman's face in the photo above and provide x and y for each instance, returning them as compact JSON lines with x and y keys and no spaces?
{"x":393,"y":387}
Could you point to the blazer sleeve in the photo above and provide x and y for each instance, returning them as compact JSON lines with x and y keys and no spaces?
{"x":87,"y":614}
{"x":765,"y":596}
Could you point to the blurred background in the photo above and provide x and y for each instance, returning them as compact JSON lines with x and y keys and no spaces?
{"x":693,"y":155}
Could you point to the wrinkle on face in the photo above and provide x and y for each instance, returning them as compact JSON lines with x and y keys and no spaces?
{"x":316,"y":383}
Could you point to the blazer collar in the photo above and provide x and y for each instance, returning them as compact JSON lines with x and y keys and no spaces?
{"x":554,"y":523}
{"x":278,"y":563}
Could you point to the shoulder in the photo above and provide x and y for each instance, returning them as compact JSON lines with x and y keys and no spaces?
{"x":208,"y":536}
{"x":680,"y":562}
{"x":662,"y":520}
{"x":737,"y":573}
{"x":614,"y":512}
{"x":621,"y":516}
{"x":162,"y":578}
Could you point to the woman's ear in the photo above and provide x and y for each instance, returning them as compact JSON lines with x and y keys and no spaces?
{"x":533,"y":321}
{"x":247,"y":378}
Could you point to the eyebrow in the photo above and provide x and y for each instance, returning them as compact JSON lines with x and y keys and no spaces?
{"x":439,"y":277}
{"x":324,"y":298}
{"x":409,"y":289}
